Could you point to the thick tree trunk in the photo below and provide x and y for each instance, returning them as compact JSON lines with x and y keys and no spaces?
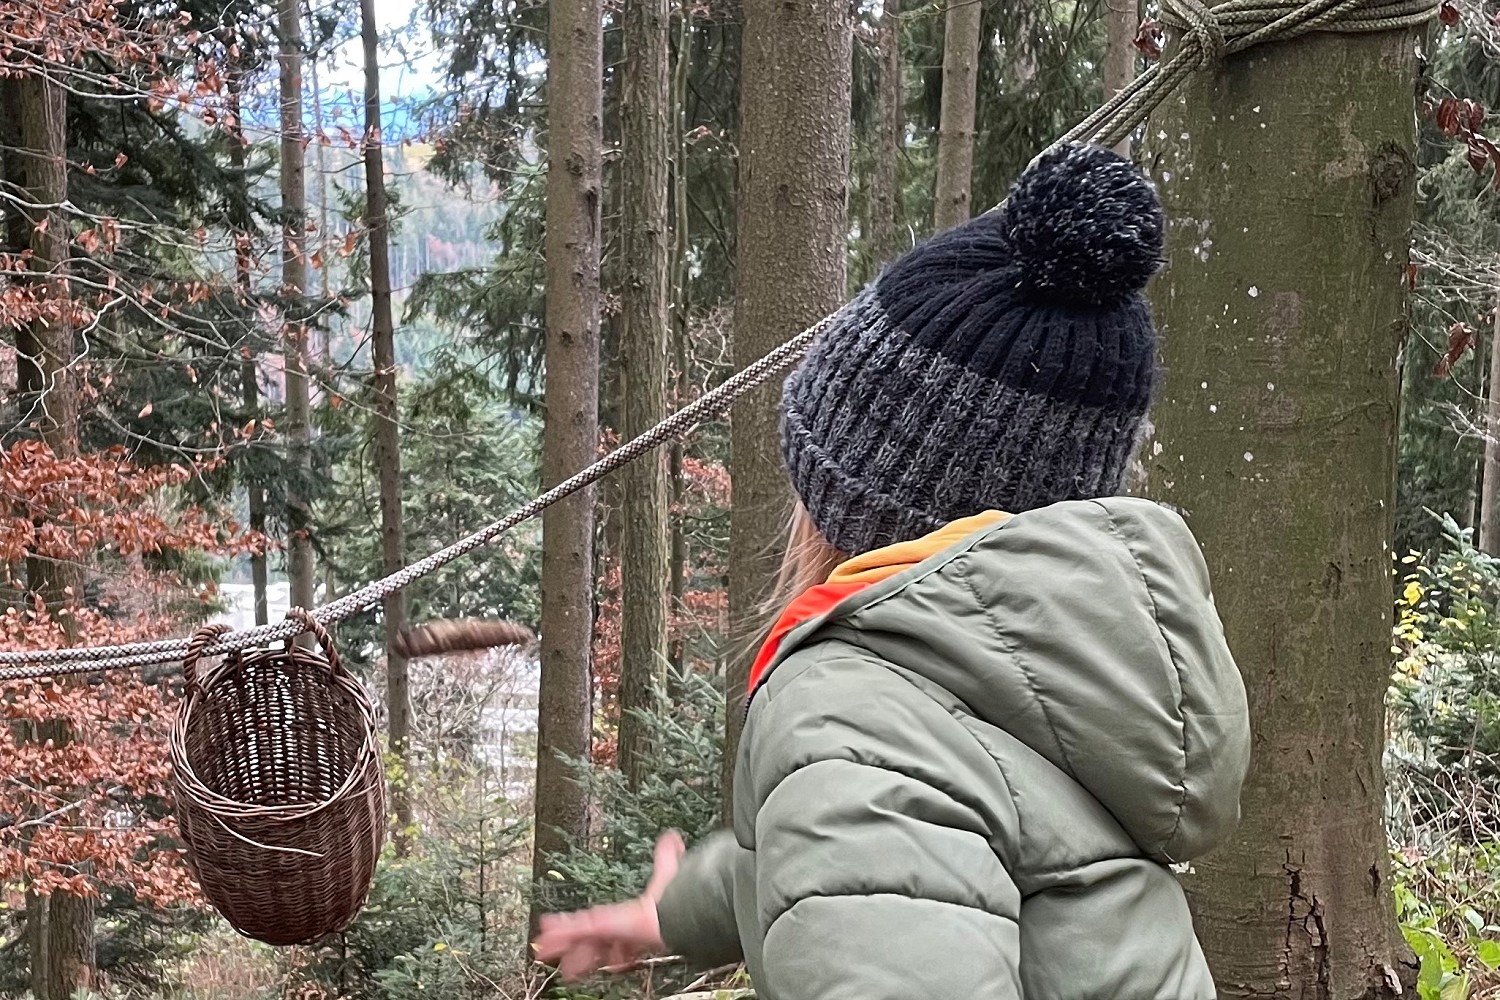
{"x":643,"y":355}
{"x":1275,"y":435}
{"x":1122,"y":20}
{"x":792,"y":223}
{"x":571,"y":434}
{"x":60,"y":927}
{"x":886,"y":181}
{"x":387,"y":430}
{"x":299,"y":556}
{"x":955,"y":154}
{"x":1489,"y":494}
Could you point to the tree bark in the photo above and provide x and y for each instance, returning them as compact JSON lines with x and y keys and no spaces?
{"x":571,"y":433}
{"x":955,"y":155}
{"x":60,"y":926}
{"x":325,"y":332}
{"x":299,"y":556}
{"x":249,"y":366}
{"x":387,"y":432}
{"x":1275,"y":435}
{"x":792,"y":225}
{"x":1122,"y":19}
{"x":44,"y":161}
{"x":681,"y":311}
{"x":14,"y":176}
{"x":886,"y":180}
{"x":1489,"y":494}
{"x":646,"y":261}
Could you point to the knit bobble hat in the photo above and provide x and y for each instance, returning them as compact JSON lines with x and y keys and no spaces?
{"x":1005,"y":364}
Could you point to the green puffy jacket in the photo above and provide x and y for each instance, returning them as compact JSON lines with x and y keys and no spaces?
{"x":967,"y":781}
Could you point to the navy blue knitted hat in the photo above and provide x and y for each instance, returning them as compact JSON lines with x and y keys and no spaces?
{"x":1005,"y":364}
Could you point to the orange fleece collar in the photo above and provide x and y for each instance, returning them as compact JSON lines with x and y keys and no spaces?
{"x":860,"y":572}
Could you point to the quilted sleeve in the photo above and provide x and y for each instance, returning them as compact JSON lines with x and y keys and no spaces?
{"x":696,"y":913}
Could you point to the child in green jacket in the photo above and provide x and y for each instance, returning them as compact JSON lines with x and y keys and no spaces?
{"x":998,"y":703}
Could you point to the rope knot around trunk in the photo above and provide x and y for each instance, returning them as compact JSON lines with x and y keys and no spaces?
{"x":1208,"y":33}
{"x":1202,"y":35}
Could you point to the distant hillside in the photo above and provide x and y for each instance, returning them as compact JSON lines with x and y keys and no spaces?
{"x":438,"y":227}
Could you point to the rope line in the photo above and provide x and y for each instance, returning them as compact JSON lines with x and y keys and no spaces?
{"x":85,"y":659}
{"x":1206,"y":36}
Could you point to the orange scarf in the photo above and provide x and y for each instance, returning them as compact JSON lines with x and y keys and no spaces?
{"x":863,"y":571}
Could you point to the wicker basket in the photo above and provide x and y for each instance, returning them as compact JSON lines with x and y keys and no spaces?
{"x":280,"y":794}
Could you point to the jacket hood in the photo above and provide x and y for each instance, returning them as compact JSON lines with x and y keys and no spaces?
{"x":1087,"y":631}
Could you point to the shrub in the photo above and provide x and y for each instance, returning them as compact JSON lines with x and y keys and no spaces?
{"x":680,"y":792}
{"x":1443,"y":765}
{"x":1447,"y":904}
{"x":1444,"y":750}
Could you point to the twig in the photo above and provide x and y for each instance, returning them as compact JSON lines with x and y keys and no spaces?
{"x":710,"y":976}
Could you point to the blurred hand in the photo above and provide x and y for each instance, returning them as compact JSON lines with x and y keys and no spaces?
{"x":605,"y":937}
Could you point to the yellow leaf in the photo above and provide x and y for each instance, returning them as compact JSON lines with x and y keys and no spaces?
{"x":1413,"y":593}
{"x":440,"y":947}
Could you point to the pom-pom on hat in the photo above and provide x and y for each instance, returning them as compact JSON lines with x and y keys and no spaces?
{"x":1006,"y":364}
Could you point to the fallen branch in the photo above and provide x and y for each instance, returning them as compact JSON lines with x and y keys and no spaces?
{"x":710,"y":976}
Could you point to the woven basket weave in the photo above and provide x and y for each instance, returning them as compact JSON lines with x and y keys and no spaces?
{"x":280,"y":794}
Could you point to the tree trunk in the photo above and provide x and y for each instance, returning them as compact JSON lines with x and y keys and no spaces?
{"x":1276,"y":436}
{"x":571,"y":433}
{"x":886,"y":181}
{"x":1489,"y":494}
{"x":60,"y":927}
{"x":387,"y":432}
{"x":955,"y":155}
{"x":1122,"y":19}
{"x":299,"y":557}
{"x":643,"y":355}
{"x":60,"y":932}
{"x":325,"y":332}
{"x":44,"y":162}
{"x":17,"y":232}
{"x":249,"y":366}
{"x":681,"y":311}
{"x":792,"y":224}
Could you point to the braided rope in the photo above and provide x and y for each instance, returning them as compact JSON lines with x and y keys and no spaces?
{"x":85,"y":659}
{"x":1208,"y":35}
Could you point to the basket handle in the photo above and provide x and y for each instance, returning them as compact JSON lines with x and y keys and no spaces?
{"x":202,"y":639}
{"x":311,"y":624}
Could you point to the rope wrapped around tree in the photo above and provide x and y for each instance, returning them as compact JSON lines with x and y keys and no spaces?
{"x":1205,"y":36}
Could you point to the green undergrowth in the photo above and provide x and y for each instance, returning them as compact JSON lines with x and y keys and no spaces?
{"x":1443,"y":765}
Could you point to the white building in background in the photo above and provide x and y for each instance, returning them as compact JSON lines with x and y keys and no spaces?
{"x":241,"y":600}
